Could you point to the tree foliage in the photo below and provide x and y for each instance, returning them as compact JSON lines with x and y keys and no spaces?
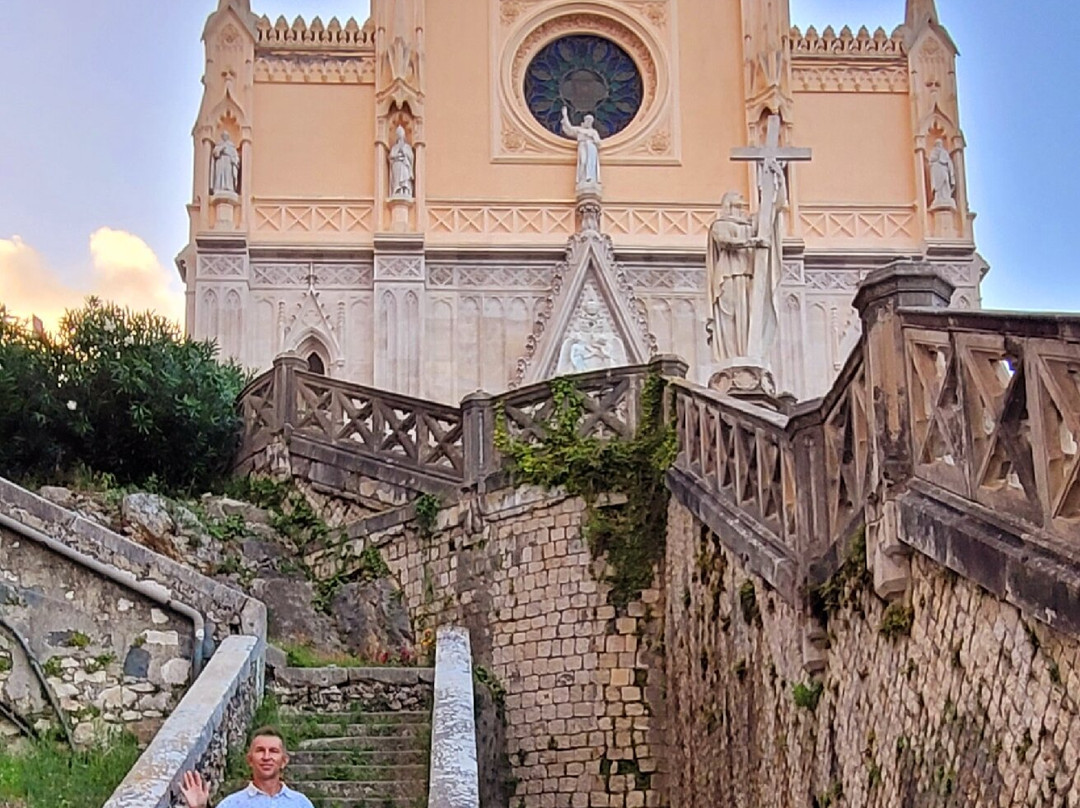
{"x":118,"y":392}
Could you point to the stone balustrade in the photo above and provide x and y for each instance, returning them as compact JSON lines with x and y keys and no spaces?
{"x":455,"y":779}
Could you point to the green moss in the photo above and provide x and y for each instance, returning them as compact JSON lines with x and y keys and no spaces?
{"x":807,"y":696}
{"x":844,"y":589}
{"x":896,"y":622}
{"x":631,"y":535}
{"x":51,"y":667}
{"x":78,"y":640}
{"x":748,"y":603}
{"x":427,"y":514}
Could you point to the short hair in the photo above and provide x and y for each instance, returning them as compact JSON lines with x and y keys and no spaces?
{"x":268,"y":732}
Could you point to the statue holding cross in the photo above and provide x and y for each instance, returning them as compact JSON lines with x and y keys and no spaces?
{"x":743,"y":274}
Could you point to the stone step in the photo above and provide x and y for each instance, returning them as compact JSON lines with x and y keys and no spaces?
{"x":363,"y":790}
{"x":365,"y":742}
{"x":339,"y":772}
{"x":321,"y":730}
{"x":360,"y":757}
{"x":289,"y":719}
{"x":419,"y":801}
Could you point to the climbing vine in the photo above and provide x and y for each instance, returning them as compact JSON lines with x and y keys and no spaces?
{"x":630,"y":534}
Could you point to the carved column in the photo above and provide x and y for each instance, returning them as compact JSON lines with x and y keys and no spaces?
{"x":399,"y":312}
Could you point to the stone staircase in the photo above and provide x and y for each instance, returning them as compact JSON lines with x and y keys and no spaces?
{"x":360,"y":759}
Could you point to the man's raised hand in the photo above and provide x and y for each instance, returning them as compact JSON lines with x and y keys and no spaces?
{"x":195,"y":791}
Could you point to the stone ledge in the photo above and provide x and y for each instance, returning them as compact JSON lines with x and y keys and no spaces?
{"x":328,"y":677}
{"x":1013,"y":567}
{"x":759,"y":551}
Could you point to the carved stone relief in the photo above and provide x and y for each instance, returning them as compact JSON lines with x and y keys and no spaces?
{"x":399,"y":268}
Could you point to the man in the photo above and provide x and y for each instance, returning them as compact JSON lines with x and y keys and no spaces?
{"x":267,"y":758}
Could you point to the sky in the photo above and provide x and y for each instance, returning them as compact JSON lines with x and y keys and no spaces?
{"x":100,"y":97}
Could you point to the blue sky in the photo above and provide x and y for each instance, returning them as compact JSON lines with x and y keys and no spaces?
{"x":101,"y":96}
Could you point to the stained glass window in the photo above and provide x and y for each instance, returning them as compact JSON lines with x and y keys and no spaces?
{"x":589,"y":75}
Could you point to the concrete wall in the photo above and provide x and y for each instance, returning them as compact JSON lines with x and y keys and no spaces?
{"x":976,"y":707}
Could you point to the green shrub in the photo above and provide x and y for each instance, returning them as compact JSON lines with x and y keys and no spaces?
{"x":118,"y":392}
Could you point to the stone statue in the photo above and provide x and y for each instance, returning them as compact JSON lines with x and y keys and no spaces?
{"x":588,"y":151}
{"x":942,"y":177}
{"x":225,"y":167}
{"x":591,"y":342}
{"x":730,"y":276}
{"x":402,"y":163}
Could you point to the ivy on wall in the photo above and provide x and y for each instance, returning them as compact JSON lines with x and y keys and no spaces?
{"x":621,"y":482}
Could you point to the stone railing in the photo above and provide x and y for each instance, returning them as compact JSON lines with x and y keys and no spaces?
{"x":338,"y":429}
{"x":213,"y":716}
{"x":977,"y":411}
{"x":455,"y":777}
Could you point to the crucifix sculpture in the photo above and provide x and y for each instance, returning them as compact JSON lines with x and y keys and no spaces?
{"x":744,"y":268}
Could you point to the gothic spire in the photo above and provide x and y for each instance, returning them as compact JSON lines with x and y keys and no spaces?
{"x":921,"y":13}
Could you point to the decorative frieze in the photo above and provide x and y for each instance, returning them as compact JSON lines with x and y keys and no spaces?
{"x":489,"y":276}
{"x":296,"y":69}
{"x":807,"y":77}
{"x":618,"y":220}
{"x":666,"y":279}
{"x":222,"y":266}
{"x":882,"y":225}
{"x":299,"y":216}
{"x":830,"y":44}
{"x":303,"y":273}
{"x":399,"y":268}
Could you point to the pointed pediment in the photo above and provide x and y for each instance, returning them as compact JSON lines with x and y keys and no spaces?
{"x":592,"y":319}
{"x":309,"y":317}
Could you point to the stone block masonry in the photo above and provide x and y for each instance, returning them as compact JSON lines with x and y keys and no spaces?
{"x":110,"y":655}
{"x":583,"y":699}
{"x":962,"y":700}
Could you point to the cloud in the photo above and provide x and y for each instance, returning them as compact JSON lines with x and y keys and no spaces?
{"x":123,"y":269}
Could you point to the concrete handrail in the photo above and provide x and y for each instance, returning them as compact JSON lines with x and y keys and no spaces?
{"x":455,"y":776}
{"x":223,"y":698}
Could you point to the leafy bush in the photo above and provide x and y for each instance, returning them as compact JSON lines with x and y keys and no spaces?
{"x":119,"y":392}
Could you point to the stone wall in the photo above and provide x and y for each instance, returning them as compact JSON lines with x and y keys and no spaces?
{"x":109,"y":654}
{"x":583,"y":697}
{"x":213,"y":717}
{"x":347,"y":689}
{"x":969,"y":702}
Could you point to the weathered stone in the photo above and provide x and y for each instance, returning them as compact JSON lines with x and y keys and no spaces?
{"x":58,"y":495}
{"x":176,"y":671}
{"x":137,"y":662}
{"x":291,"y":615}
{"x":372,"y":618}
{"x":147,"y":516}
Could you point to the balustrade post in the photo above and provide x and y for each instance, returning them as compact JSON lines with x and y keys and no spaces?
{"x":902,"y":284}
{"x":669,"y":366}
{"x":880,"y":298}
{"x":285,"y":367}
{"x":478,"y":435}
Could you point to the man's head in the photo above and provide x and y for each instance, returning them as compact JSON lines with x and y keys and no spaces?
{"x":266,"y":755}
{"x":588,"y":121}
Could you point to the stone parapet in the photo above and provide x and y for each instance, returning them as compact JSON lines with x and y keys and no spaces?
{"x":212,"y":717}
{"x":348,"y":689}
{"x":455,"y":779}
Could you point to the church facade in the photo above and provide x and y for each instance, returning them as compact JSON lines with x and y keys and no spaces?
{"x":457,"y":196}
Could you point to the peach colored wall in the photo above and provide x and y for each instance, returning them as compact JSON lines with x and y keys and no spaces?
{"x":459,"y":101}
{"x":314,"y":141}
{"x":862,"y":148}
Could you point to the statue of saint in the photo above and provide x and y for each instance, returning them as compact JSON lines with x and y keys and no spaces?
{"x":942,"y":177}
{"x":225,"y":167}
{"x":730,"y":276}
{"x":588,"y":151}
{"x":402,"y":162}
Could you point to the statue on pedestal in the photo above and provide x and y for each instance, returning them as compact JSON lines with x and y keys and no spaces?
{"x":942,"y":177}
{"x":402,"y":167}
{"x":588,"y":152}
{"x":730,"y":276}
{"x":225,"y":167}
